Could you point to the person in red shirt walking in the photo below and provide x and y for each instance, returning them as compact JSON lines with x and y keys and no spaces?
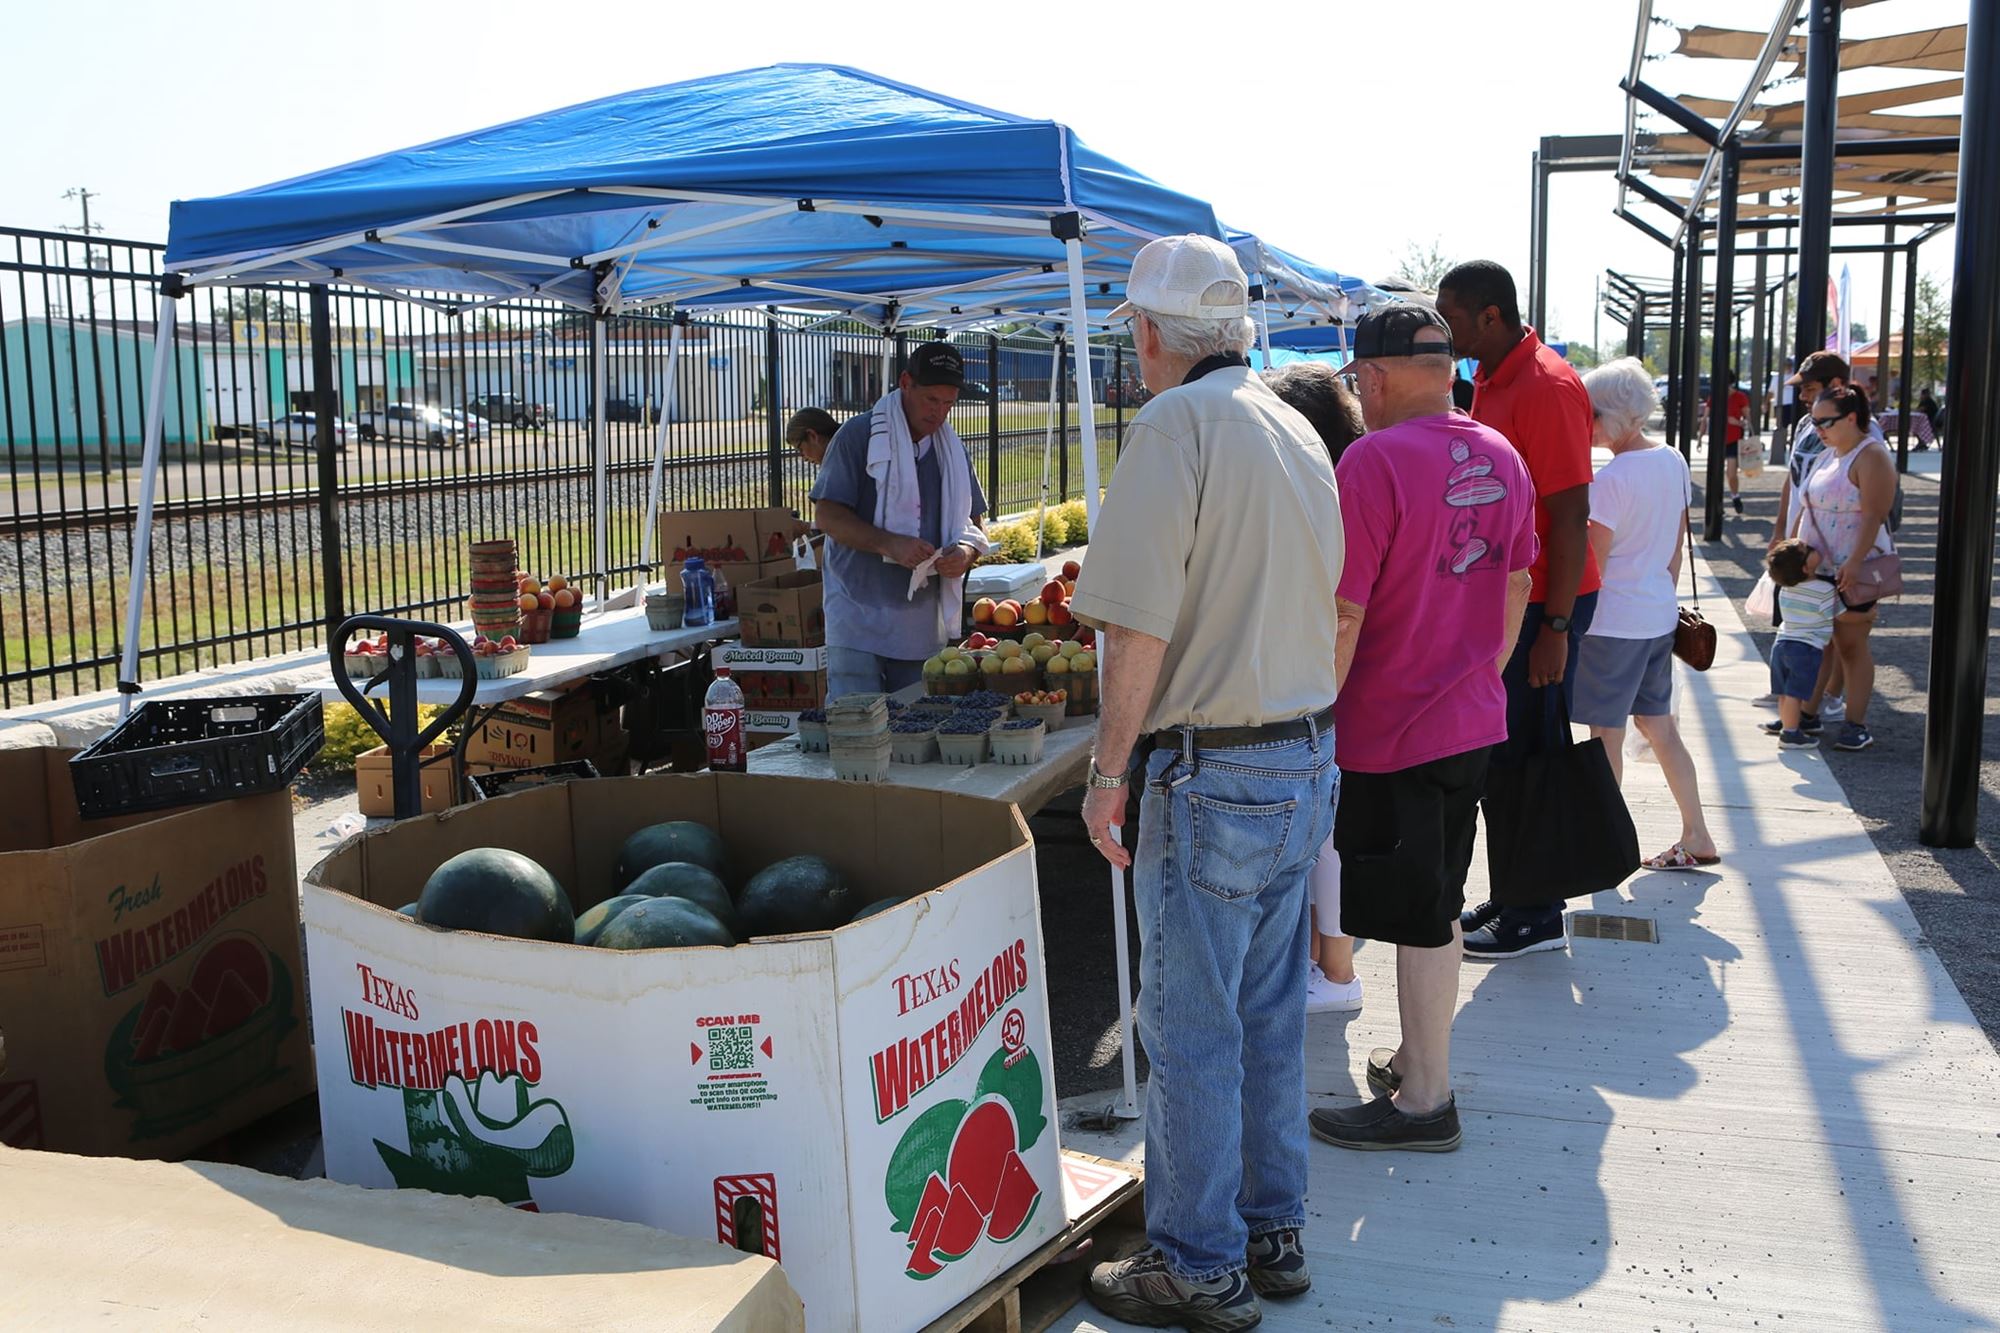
{"x":1739,"y":417}
{"x":1537,"y":400}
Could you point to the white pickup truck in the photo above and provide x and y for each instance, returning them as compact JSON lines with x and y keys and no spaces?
{"x":413,"y":423}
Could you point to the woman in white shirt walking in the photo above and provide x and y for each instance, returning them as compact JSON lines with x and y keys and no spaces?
{"x":1625,"y":667}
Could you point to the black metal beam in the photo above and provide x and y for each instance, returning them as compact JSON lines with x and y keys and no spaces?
{"x":1645,"y":92}
{"x":326,"y":413}
{"x":1538,"y":245}
{"x":1962,"y":604}
{"x":1646,"y":227}
{"x":1911,"y":146}
{"x":1687,"y":386}
{"x":1822,"y":113}
{"x":1722,"y":350}
{"x":1676,"y":322}
{"x":1759,"y":371}
{"x":1908,"y":367}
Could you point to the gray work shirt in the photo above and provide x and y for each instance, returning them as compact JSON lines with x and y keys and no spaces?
{"x":866,"y":603}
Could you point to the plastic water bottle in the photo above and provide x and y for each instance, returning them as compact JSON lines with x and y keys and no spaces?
{"x":722,"y":725}
{"x":724,"y":597}
{"x":699,"y":594}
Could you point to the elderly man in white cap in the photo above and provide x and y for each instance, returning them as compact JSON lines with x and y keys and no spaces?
{"x":1212,"y":574}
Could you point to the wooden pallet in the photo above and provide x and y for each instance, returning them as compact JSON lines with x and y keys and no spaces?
{"x":1033,"y":1294}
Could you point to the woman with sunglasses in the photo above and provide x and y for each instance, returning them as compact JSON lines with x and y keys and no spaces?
{"x":1844,"y":511}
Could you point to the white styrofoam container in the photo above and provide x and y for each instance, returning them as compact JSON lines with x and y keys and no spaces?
{"x":1003,"y":581}
{"x":823,"y":1077}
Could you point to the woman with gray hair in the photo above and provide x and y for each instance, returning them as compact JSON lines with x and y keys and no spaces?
{"x":1638,"y":524}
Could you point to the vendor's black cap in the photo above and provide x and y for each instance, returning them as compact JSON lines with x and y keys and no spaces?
{"x":937,"y":363}
{"x":1391,"y":330}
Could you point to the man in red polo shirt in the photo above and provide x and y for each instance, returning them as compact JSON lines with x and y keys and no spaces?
{"x":1534,"y":398}
{"x":1739,"y":416}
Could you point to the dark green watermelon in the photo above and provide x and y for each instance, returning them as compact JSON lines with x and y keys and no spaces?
{"x":657,"y":844}
{"x":592,"y":923}
{"x":797,"y":895}
{"x":685,"y":879}
{"x":871,"y":909}
{"x":499,"y":892}
{"x":664,"y":923}
{"x":409,"y":910}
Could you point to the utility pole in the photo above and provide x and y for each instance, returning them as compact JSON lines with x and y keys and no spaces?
{"x":1597,"y":321}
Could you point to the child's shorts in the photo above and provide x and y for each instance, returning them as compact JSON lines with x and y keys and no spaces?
{"x":1794,"y":668}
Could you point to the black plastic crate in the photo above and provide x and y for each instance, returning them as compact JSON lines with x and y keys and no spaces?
{"x":511,"y":780}
{"x":188,"y":751}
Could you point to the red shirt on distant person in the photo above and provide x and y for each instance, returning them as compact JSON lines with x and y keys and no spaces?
{"x":1537,"y":400}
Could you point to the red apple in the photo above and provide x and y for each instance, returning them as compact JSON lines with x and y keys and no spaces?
{"x":1072,"y":570}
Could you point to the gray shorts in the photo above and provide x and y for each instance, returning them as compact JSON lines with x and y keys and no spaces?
{"x":1621,"y":678}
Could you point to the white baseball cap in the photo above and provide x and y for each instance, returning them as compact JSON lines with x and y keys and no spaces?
{"x":1196,"y":277}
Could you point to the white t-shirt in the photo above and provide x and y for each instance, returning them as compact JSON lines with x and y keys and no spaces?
{"x":1642,"y":497}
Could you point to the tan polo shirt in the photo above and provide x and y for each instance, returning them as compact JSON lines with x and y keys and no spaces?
{"x":1220,"y":533}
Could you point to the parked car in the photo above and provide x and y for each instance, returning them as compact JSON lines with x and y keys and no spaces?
{"x":466,"y":424}
{"x":510,"y":408}
{"x":624,"y":409}
{"x":302,"y":428}
{"x":249,"y":432}
{"x":412,"y":423}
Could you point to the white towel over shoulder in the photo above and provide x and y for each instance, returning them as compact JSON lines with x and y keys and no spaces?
{"x":899,"y":508}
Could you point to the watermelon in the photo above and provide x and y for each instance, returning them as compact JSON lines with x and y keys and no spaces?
{"x":798,"y":895}
{"x":189,"y":1021}
{"x":875,"y":908}
{"x":979,"y":1152}
{"x":592,"y":923}
{"x":1015,"y":1203}
{"x":657,"y":844}
{"x":937,"y":1195}
{"x":159,"y":1005}
{"x":697,"y":884}
{"x":964,"y":1222}
{"x":923,"y":1263}
{"x":922,"y":1152}
{"x":664,"y":923}
{"x":234,"y":953}
{"x":234,"y":1006}
{"x":151,"y":1034}
{"x":499,"y":892}
{"x":409,"y":910}
{"x":1021,"y":1084}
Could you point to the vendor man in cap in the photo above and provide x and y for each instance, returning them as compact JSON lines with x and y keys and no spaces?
{"x":1212,"y":572}
{"x":899,"y":501}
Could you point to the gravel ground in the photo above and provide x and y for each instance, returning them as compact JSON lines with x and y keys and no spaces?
{"x":1954,"y":893}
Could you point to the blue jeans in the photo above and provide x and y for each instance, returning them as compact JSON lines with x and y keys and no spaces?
{"x":1226,"y":849}
{"x":855,"y":671}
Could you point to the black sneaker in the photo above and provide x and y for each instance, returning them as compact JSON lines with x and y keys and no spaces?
{"x":1809,"y":723}
{"x":1737,"y":500}
{"x":1476,"y":918}
{"x":1798,"y":740}
{"x":1143,"y":1290}
{"x":1510,"y":937}
{"x":1378,"y":1126}
{"x":1382,"y":1076}
{"x":1853,"y":737}
{"x":1278,"y":1265}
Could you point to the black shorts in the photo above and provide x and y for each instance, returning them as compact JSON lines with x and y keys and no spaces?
{"x":1729,"y":450}
{"x":1405,"y":844}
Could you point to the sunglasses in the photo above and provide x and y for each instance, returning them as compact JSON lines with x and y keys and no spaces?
{"x":1821,"y":423}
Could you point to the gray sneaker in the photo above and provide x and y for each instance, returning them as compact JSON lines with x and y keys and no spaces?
{"x":1278,"y":1264}
{"x":1379,"y":1126}
{"x":1142,"y":1290}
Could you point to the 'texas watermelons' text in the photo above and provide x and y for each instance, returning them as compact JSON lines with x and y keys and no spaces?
{"x":912,"y":1064}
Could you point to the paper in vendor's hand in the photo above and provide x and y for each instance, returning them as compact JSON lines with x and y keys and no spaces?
{"x":922,"y":575}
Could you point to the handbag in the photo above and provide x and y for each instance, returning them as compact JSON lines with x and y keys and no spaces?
{"x":1694,"y":637}
{"x":1556,"y":823}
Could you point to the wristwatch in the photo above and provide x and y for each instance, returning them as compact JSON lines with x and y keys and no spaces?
{"x":1101,"y":782}
{"x":1560,"y":624}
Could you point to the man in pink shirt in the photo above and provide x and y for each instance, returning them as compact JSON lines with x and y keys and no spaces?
{"x":1439,"y":515}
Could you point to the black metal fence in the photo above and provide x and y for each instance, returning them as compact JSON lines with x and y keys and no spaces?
{"x":460,"y":423}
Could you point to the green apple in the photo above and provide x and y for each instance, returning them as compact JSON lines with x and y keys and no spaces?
{"x":958,"y":666}
{"x":934,"y":667}
{"x":1057,"y":666}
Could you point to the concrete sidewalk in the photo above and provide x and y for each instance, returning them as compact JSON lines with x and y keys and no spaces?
{"x":1781,"y":1115}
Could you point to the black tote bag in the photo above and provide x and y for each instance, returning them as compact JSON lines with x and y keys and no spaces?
{"x":1556,"y":823}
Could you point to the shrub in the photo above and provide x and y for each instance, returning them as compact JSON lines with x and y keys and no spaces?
{"x":347,"y":735}
{"x":1015,"y":541}
{"x":1055,"y":529}
{"x":1076,"y":523}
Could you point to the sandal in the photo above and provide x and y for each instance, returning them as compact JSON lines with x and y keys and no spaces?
{"x":1678,"y":857}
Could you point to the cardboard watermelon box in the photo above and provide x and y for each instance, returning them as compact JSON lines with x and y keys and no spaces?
{"x":150,"y":985}
{"x":873,"y":1106}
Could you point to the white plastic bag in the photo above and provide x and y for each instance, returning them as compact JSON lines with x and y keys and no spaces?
{"x":1763,"y":599}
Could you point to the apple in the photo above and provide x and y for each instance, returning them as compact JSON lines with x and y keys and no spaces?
{"x":982,"y":611}
{"x":1069,"y":587}
{"x":1072,"y":571}
{"x":934,"y":667}
{"x":1037,"y":613}
{"x":1042,"y":652}
{"x":1017,"y":666}
{"x":1084,"y":661}
{"x":1057,"y":665}
{"x":958,"y":666}
{"x":1070,"y":648}
{"x":1052,"y":592}
{"x":1030,"y":640}
{"x":508,"y":643}
{"x":953,"y":654}
{"x":992,"y":666}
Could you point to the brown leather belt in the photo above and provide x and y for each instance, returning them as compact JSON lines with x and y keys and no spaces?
{"x":1237,"y":738}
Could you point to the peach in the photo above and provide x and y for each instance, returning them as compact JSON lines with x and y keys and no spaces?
{"x":982,"y":611}
{"x":545,"y":599}
{"x":564,"y":597}
{"x":1052,"y":592}
{"x":1060,"y":614}
{"x":1037,"y":613}
{"x":557,"y":583}
{"x":1006,"y":615}
{"x":1072,"y":571}
{"x":529,"y":601}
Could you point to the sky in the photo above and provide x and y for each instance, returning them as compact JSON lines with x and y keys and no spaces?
{"x":1345,"y":132}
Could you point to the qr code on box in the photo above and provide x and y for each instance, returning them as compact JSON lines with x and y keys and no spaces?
{"x":731,"y":1048}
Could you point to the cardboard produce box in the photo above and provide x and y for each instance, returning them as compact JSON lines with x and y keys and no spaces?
{"x":770,"y":722}
{"x":787,"y":611}
{"x":742,"y":546}
{"x":150,"y":984}
{"x":871,"y":1106}
{"x":375,"y":780}
{"x":546,"y":727}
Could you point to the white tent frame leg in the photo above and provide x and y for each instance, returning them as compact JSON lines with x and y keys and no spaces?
{"x":1048,"y":437}
{"x":149,"y":481}
{"x":600,"y":461}
{"x":649,"y":537}
{"x":1086,"y":407}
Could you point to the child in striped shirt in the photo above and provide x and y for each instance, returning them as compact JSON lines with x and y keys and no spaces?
{"x":1807,"y":605}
